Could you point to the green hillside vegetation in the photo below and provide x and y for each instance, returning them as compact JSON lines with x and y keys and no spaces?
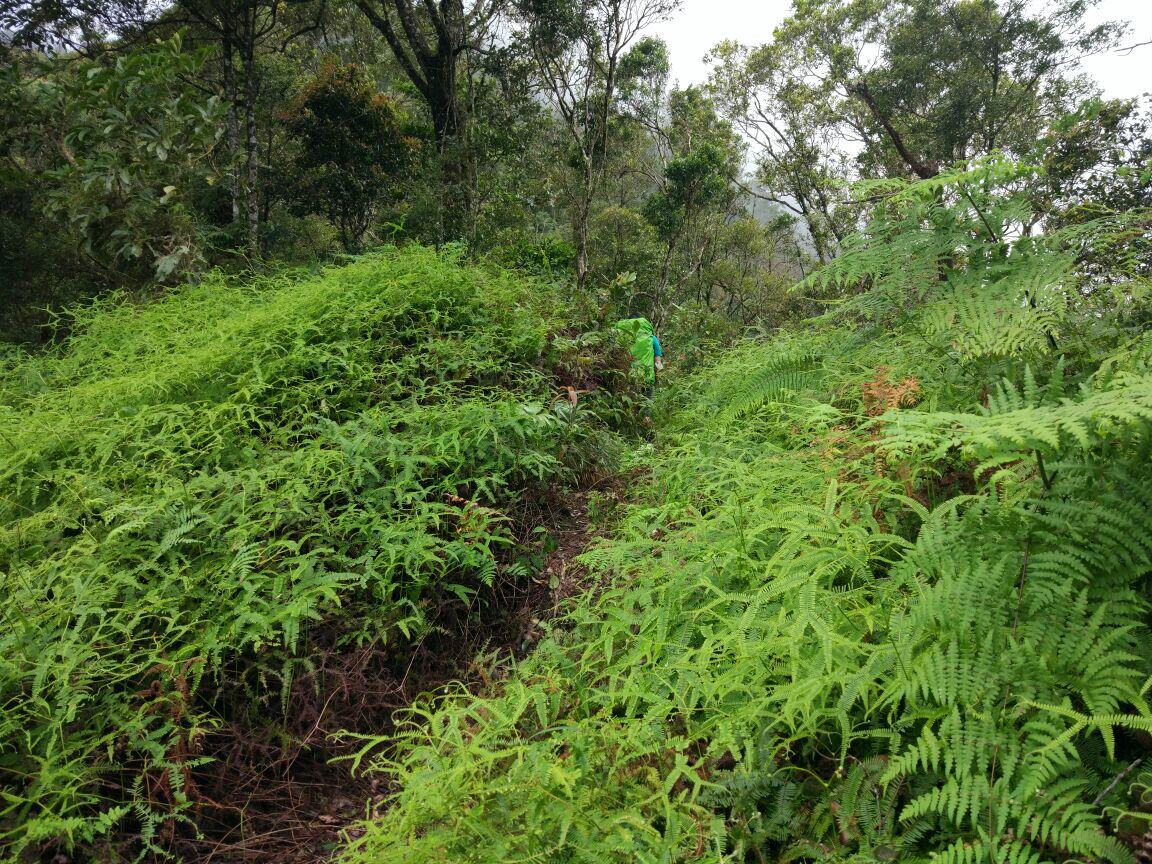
{"x":212,"y":476}
{"x":883,"y":600}
{"x":341,"y":521}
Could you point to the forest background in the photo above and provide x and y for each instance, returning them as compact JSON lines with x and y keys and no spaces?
{"x":144,"y":144}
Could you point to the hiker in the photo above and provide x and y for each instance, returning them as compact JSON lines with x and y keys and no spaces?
{"x":647,"y":354}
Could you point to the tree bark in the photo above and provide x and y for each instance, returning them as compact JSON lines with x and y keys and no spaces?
{"x":252,"y":156}
{"x":232,"y":128}
{"x":580,"y":225}
{"x":450,"y":128}
{"x":242,"y":28}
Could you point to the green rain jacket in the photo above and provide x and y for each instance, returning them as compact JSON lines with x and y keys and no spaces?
{"x":641,"y":341}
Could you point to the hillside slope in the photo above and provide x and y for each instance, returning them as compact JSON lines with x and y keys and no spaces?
{"x":863,"y":619}
{"x":884,"y":599}
{"x":203,"y":494}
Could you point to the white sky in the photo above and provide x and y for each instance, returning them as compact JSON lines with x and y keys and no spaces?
{"x":700,"y":24}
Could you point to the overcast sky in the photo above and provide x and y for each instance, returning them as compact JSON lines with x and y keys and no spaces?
{"x":700,"y":24}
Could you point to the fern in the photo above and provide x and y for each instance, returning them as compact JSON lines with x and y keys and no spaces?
{"x":955,"y":257}
{"x":833,"y":635}
{"x":207,"y":477}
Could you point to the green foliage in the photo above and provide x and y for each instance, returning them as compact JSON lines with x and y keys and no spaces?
{"x":211,"y":476}
{"x":1096,"y":159}
{"x":868,"y":88}
{"x":881,"y":589}
{"x":646,"y":66}
{"x":858,"y":615}
{"x":623,"y":241}
{"x":353,"y":149}
{"x":801,"y":166}
{"x":132,"y":135}
{"x":960,"y":258}
{"x":34,"y":256}
{"x":546,"y":255}
{"x":927,"y":100}
{"x":692,"y":182}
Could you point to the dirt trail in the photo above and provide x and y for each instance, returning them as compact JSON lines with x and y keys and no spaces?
{"x":279,"y":799}
{"x":563,"y":577}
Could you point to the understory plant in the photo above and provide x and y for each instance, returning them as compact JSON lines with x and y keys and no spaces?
{"x":206,"y":478}
{"x":884,"y":598}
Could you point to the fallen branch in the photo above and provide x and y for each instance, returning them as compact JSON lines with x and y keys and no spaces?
{"x":1116,"y":781}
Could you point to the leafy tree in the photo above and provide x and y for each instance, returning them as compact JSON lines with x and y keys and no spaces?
{"x":693,"y":183}
{"x":510,"y":136}
{"x":428,"y":41}
{"x":578,"y":47}
{"x":644,"y":72}
{"x":802,"y":157}
{"x":748,"y":276}
{"x":686,"y":161}
{"x":131,"y":136}
{"x":353,"y":149}
{"x":81,"y":26}
{"x":432,"y":43}
{"x":39,"y":267}
{"x":851,"y":88}
{"x":1097,"y":158}
{"x":622,"y":242}
{"x":948,"y":81}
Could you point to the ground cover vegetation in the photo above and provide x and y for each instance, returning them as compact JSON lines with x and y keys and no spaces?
{"x":884,"y":600}
{"x":194,"y":487}
{"x":307,"y":310}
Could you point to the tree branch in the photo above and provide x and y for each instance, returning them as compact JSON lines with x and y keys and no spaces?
{"x":922,"y":170}
{"x":407,"y":63}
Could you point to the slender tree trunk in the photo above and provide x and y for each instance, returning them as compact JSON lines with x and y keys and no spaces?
{"x":581,"y":254}
{"x":252,"y":160}
{"x":580,"y":227}
{"x":232,"y":130}
{"x":656,"y":312}
{"x":596,"y":152}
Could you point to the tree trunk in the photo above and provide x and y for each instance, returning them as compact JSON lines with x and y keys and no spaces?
{"x":252,"y":157}
{"x":580,"y":233}
{"x":449,"y":126}
{"x":656,"y":313}
{"x":431,"y":66}
{"x":920,"y":168}
{"x":232,"y":130}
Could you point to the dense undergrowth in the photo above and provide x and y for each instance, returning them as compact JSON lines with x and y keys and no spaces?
{"x":884,"y":599}
{"x":192,"y":486}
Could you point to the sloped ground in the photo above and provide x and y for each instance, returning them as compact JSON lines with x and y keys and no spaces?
{"x":854,"y":616}
{"x":294,"y":805}
{"x":238,"y":519}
